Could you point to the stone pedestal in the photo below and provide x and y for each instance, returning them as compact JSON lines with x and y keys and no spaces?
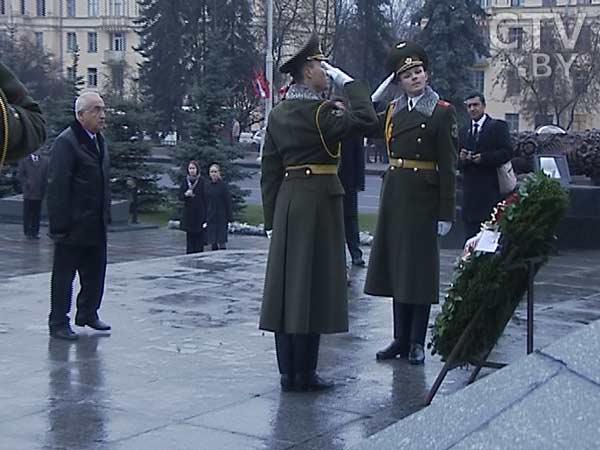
{"x":11,"y":210}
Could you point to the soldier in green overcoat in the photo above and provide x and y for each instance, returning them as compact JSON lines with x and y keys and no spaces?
{"x":22,"y":126}
{"x":305,"y":283}
{"x":417,"y":201}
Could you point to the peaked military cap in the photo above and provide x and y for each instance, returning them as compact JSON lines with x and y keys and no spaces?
{"x":405,"y":55}
{"x":311,"y":51}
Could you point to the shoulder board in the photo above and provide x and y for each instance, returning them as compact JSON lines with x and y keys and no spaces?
{"x":444,"y":103}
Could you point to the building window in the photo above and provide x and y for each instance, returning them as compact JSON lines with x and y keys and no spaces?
{"x":516,"y":35}
{"x":584,"y":2}
{"x":513,"y":83}
{"x":478,"y":80}
{"x":513,"y":121}
{"x":116,"y":8}
{"x":2,"y":6}
{"x":92,"y":42}
{"x":70,"y":8}
{"x":92,"y":8}
{"x":22,"y":8}
{"x":117,"y":42}
{"x":548,"y":2}
{"x":118,"y":78}
{"x":39,"y":39}
{"x":92,"y":77}
{"x":71,"y":42}
{"x":40,"y":8}
{"x":515,"y":2}
{"x":71,"y":75}
{"x":580,"y":122}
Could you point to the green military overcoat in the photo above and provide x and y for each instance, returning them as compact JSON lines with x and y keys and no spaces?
{"x":404,"y":261}
{"x":20,"y":116}
{"x":305,"y":282}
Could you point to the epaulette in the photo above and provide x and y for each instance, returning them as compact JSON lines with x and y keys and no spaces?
{"x":444,"y":103}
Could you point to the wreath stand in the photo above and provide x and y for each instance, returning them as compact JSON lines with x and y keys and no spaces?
{"x":532,"y":265}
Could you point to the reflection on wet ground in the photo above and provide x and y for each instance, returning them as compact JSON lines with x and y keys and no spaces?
{"x":187,"y":368}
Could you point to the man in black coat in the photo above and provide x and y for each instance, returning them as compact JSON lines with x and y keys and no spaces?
{"x":352,"y":175}
{"x":484,"y":146}
{"x":33,"y":173}
{"x":79,"y":213}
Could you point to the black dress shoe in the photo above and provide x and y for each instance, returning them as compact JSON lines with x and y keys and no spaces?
{"x":65,"y":333}
{"x":287,"y":382}
{"x":416,"y":355}
{"x":359,"y":262}
{"x":392,"y":351}
{"x":312,"y":382}
{"x":96,"y":324}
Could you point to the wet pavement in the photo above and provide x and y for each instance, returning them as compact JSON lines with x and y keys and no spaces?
{"x":186,"y":367}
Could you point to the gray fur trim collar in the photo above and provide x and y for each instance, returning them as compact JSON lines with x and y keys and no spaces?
{"x":301,"y":92}
{"x":425,"y":105}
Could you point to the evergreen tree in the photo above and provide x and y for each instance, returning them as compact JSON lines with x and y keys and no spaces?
{"x":453,"y":39}
{"x":168,"y":45}
{"x":232,"y":19}
{"x":205,"y":121}
{"x":364,"y":41}
{"x":125,"y":132}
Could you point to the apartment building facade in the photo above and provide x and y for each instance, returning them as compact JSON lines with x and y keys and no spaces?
{"x":516,"y":24}
{"x":102,"y":32}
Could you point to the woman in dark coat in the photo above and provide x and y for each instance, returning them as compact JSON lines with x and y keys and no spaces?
{"x":193,"y":220}
{"x":218,"y":209}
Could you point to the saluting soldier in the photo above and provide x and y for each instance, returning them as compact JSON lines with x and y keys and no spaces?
{"x":305,"y":284}
{"x":417,"y":200}
{"x":22,"y":126}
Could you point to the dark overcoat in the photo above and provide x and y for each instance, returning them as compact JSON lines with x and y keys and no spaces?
{"x":21,"y":116}
{"x":218,"y":211}
{"x":33,"y":175}
{"x":480,"y":181}
{"x":352,"y":172}
{"x":193,"y":215}
{"x":404,"y":261}
{"x":305,"y":283}
{"x":78,"y":192}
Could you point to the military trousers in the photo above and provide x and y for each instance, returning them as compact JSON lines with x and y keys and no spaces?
{"x":297,"y":353}
{"x":410,"y":323}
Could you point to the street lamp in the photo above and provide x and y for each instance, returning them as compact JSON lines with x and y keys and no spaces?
{"x":268,"y":71}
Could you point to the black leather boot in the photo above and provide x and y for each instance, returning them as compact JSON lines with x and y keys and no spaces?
{"x":392,"y":351}
{"x":312,"y":382}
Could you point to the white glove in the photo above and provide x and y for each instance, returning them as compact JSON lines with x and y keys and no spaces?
{"x":444,"y":227}
{"x":378,"y":94}
{"x":269,"y":233}
{"x":338,"y":76}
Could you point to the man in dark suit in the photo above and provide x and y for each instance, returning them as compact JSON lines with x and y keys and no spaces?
{"x":33,"y":173}
{"x":484,"y":146}
{"x":79,"y":213}
{"x":352,"y":176}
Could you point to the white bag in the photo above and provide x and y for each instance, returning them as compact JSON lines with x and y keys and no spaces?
{"x":507,"y":180}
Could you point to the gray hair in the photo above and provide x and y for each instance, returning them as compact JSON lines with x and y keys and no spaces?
{"x":82,"y":102}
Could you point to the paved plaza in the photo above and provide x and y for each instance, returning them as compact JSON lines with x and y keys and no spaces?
{"x":186,"y":367}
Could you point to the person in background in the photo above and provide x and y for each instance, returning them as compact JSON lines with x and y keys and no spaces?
{"x":33,"y":173}
{"x":485,"y":145}
{"x":218,"y":209}
{"x":133,"y":191}
{"x":193,"y":219}
{"x":78,"y":216}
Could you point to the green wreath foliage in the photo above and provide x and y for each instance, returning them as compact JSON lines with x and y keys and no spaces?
{"x":527,"y":221}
